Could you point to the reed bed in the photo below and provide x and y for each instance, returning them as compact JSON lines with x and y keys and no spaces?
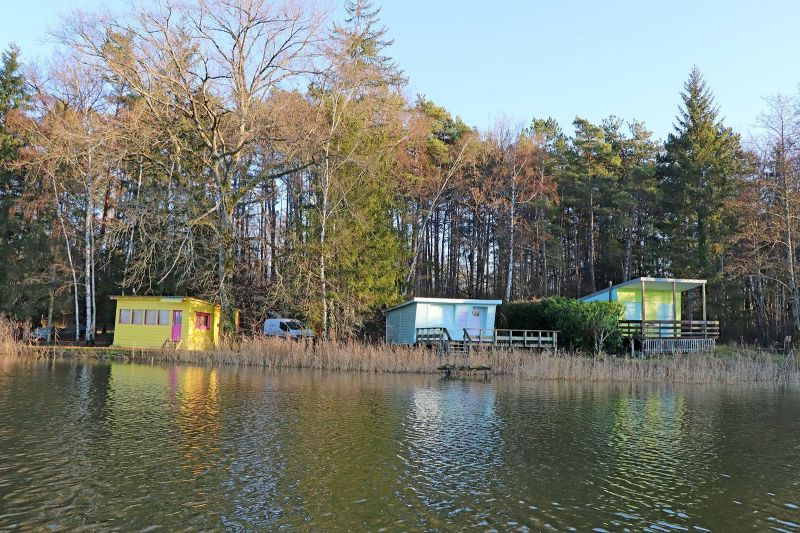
{"x":15,"y":340}
{"x":8,"y":342}
{"x":736,"y":366}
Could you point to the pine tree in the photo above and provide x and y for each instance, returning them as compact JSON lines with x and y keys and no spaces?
{"x":594,"y":167}
{"x":357,"y":251}
{"x":698,"y":172}
{"x":21,"y":240}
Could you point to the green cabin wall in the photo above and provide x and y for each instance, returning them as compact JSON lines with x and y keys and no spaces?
{"x":653,"y":298}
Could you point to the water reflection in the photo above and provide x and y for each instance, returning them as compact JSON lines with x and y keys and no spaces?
{"x":103,"y":446}
{"x":451,"y":452}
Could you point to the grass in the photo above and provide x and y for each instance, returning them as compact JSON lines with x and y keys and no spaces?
{"x":728,"y":365}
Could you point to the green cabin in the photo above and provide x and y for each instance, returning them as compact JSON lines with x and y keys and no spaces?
{"x":653,"y":313}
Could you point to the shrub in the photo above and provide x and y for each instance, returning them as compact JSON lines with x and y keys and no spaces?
{"x":588,"y":326}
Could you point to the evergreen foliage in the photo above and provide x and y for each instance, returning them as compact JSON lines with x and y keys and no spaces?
{"x":318,"y":190}
{"x":585,"y":326}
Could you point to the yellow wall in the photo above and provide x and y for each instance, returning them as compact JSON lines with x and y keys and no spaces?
{"x":155,"y":336}
{"x":202,"y":339}
{"x":652,"y":299}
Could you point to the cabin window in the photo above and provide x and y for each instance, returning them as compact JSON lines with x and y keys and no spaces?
{"x":138,"y":316}
{"x":150,"y":317}
{"x":163,"y":317}
{"x":633,"y":310}
{"x":124,"y":316}
{"x":202,"y":321}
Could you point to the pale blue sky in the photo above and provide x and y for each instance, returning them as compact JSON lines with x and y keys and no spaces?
{"x":560,"y":58}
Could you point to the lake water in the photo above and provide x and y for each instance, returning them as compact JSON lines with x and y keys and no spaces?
{"x":127,"y":446}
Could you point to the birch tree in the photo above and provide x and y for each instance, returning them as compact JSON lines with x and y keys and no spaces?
{"x":71,"y":138}
{"x":780,"y":154}
{"x":209,"y":66}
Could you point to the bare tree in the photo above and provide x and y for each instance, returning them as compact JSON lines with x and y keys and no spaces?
{"x":205,"y":71}
{"x":780,"y":152}
{"x":71,"y":136}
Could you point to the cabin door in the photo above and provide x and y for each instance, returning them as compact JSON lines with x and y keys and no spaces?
{"x":665,"y":313}
{"x":177,"y":319}
{"x":477,"y":320}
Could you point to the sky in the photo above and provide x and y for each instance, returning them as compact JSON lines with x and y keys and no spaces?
{"x":520,"y":59}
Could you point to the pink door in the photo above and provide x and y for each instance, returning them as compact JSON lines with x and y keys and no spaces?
{"x":177,"y":316}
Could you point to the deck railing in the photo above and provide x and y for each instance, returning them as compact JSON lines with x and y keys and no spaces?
{"x":439,"y":337}
{"x":525,"y":338}
{"x":517,"y":338}
{"x":666,"y":329}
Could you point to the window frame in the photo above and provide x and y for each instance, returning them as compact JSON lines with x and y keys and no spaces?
{"x":206,"y":321}
{"x":150,"y":314}
{"x":125,"y":312}
{"x":165,"y":313}
{"x":140,"y":316}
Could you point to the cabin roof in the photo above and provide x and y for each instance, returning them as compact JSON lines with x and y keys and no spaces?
{"x":159,"y":298}
{"x":426,"y":300}
{"x":653,"y":284}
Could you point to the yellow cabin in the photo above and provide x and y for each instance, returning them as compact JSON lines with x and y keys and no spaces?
{"x":160,"y":321}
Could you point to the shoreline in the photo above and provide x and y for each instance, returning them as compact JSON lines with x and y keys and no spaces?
{"x":727,"y":366}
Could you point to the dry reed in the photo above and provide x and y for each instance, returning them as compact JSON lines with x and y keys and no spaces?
{"x":16,"y":340}
{"x":741,"y":366}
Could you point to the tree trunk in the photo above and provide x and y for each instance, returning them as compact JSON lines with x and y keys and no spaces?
{"x":761,"y":312}
{"x":592,"y":248}
{"x":51,"y":297}
{"x":794,"y":297}
{"x":626,"y":267}
{"x":323,"y":280}
{"x":75,"y":291}
{"x":510,"y":271}
{"x":87,"y":266}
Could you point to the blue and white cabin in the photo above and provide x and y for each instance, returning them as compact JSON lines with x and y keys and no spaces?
{"x":456,"y":315}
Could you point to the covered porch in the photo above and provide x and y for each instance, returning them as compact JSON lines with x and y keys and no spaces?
{"x":663,"y":317}
{"x":653,"y":318}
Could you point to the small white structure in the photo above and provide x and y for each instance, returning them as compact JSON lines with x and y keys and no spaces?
{"x":456,"y":315}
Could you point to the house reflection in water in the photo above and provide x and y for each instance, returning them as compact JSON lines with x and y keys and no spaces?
{"x":649,"y":453}
{"x":453,"y":441}
{"x":197,"y":416}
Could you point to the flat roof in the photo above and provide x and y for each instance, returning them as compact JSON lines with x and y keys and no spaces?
{"x":468,"y":301}
{"x":656,"y":284}
{"x":158,"y":298}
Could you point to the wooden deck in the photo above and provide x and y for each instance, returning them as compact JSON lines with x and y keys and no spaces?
{"x":671,"y":336}
{"x":527,"y":339}
{"x":670,"y":329}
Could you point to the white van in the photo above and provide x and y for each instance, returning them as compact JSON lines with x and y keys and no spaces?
{"x":286,"y":327}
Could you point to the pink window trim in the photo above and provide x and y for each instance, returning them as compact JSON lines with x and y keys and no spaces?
{"x":202,"y":321}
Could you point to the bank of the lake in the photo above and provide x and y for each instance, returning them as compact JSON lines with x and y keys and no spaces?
{"x":726,"y":365}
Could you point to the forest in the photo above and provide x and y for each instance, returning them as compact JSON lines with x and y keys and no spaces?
{"x":267,"y":157}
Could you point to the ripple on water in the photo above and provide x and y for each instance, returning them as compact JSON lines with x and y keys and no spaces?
{"x":180,"y":448}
